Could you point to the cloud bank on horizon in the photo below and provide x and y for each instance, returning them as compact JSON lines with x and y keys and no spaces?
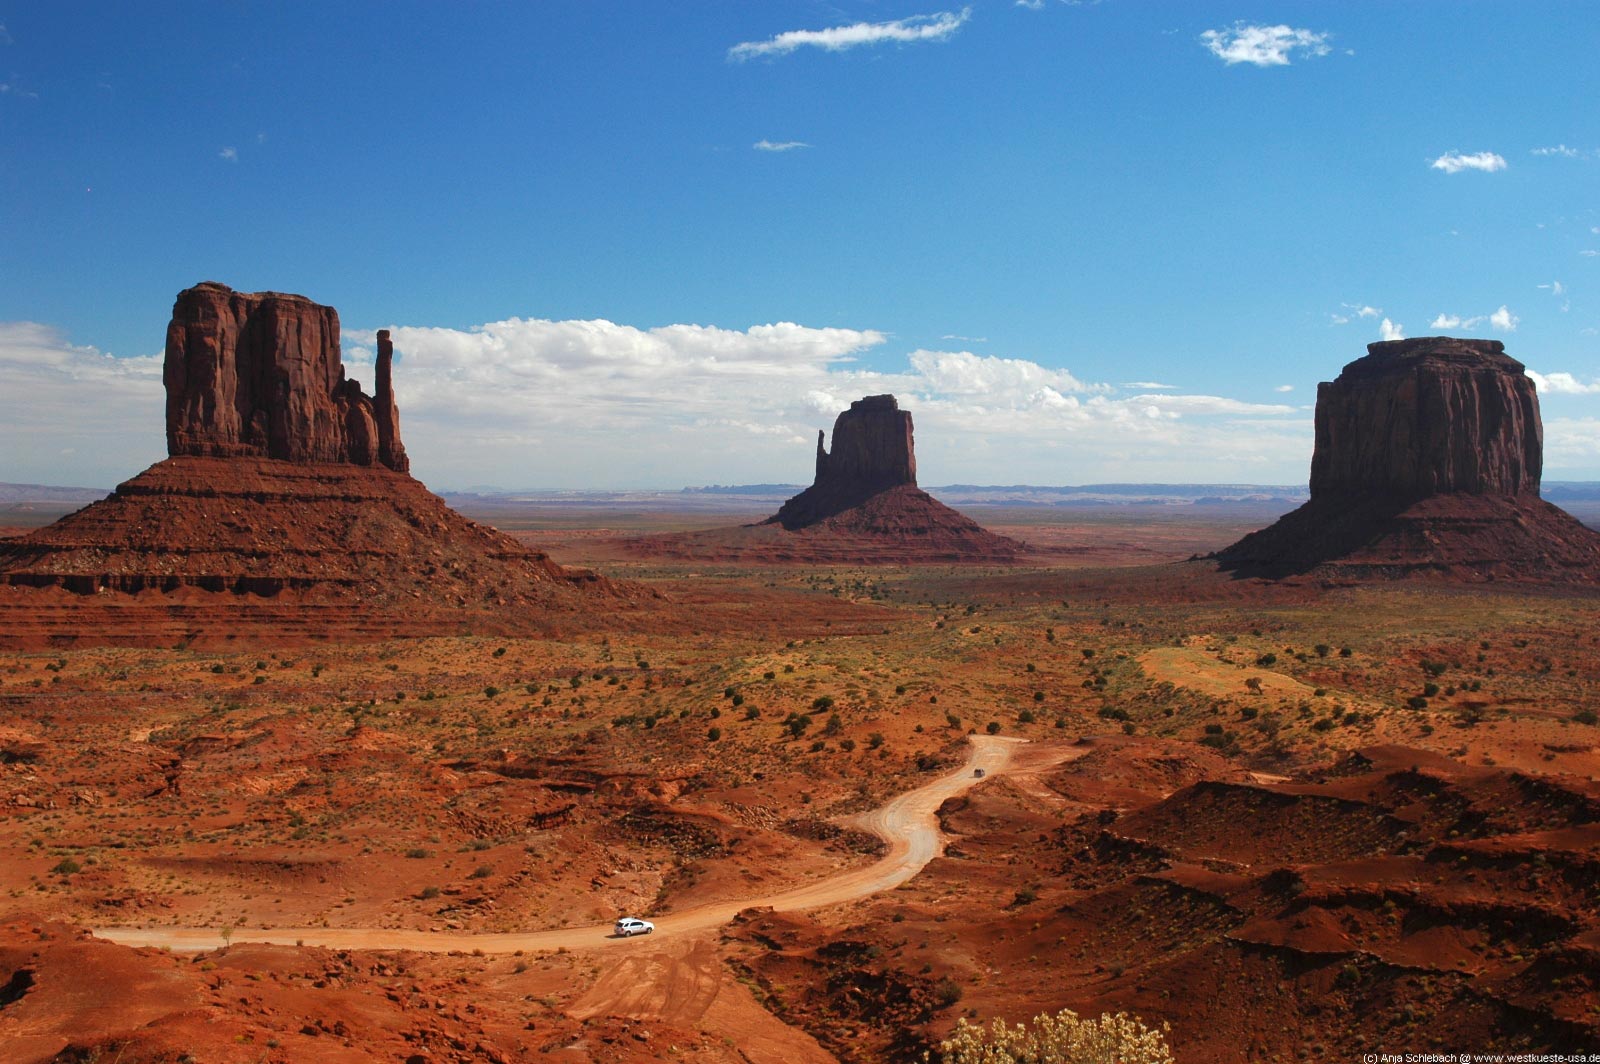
{"x":534,"y":403}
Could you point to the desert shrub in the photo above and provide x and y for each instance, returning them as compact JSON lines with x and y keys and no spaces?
{"x":714,"y":734}
{"x":491,"y":691}
{"x":1113,"y":713}
{"x":1322,"y":650}
{"x":500,"y":652}
{"x":418,"y":853}
{"x":874,"y":740}
{"x":946,"y":992}
{"x":1025,"y":896}
{"x":1417,"y":702}
{"x":483,"y":871}
{"x":993,"y":727}
{"x":1269,"y":658}
{"x":952,"y":720}
{"x":67,"y":867}
{"x":834,"y":726}
{"x":1434,"y":668}
{"x":847,"y":745}
{"x":752,"y":713}
{"x":1248,"y":712}
{"x":1026,"y":717}
{"x":1345,"y":652}
{"x":429,"y":893}
{"x":797,"y":723}
{"x":769,"y":675}
{"x":1586,"y":716}
{"x":1064,"y":1038}
{"x":823,"y":702}
{"x":1429,"y":690}
{"x":1038,"y":696}
{"x":738,"y":700}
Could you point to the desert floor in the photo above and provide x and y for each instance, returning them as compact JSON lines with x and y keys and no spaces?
{"x":1293,"y":821}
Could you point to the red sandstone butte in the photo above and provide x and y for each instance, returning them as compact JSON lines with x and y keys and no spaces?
{"x":286,"y":506}
{"x":1427,"y":461}
{"x":258,"y":374}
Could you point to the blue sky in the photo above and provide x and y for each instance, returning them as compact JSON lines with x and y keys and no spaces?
{"x":650,"y":245}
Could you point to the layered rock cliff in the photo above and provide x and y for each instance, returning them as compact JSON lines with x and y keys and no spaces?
{"x":258,"y":374}
{"x":1427,"y":460}
{"x":1428,"y":416}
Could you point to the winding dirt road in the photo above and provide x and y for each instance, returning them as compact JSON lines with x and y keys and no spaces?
{"x":908,"y":824}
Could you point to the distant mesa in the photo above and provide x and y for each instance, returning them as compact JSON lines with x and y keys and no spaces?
{"x":1427,"y":461}
{"x":286,"y":484}
{"x":864,"y":507}
{"x":873,"y":452}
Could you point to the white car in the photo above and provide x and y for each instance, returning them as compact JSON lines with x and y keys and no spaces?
{"x":629,"y":926}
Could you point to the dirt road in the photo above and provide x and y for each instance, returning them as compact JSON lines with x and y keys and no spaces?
{"x":908,"y":824}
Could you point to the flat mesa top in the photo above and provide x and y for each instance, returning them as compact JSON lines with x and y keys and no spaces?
{"x":876,"y":402}
{"x":219,"y":287}
{"x":1391,"y":356}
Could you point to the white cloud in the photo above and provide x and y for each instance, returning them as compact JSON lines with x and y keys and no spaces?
{"x":1560,"y":150}
{"x":935,"y":27}
{"x":1571,"y":443}
{"x":1151,"y":386}
{"x":525,"y":403}
{"x":1555,"y":288}
{"x":965,"y":339}
{"x":1589,"y":253}
{"x":51,"y":384}
{"x":779,"y":145}
{"x":1284,"y":388}
{"x":1391,"y":330}
{"x":230,"y":154}
{"x":1454,"y":162}
{"x":595,"y":404}
{"x":1454,"y":321}
{"x":1563,"y":384}
{"x":1355,"y":310}
{"x":1263,"y":46}
{"x":1174,"y":405}
{"x":1504,"y":320}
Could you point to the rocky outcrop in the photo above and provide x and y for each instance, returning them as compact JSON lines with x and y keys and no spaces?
{"x":285,"y":509}
{"x":872,"y":447}
{"x":865,"y":504}
{"x":1427,"y":461}
{"x":258,"y":374}
{"x":872,"y":452}
{"x":1428,"y":416}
